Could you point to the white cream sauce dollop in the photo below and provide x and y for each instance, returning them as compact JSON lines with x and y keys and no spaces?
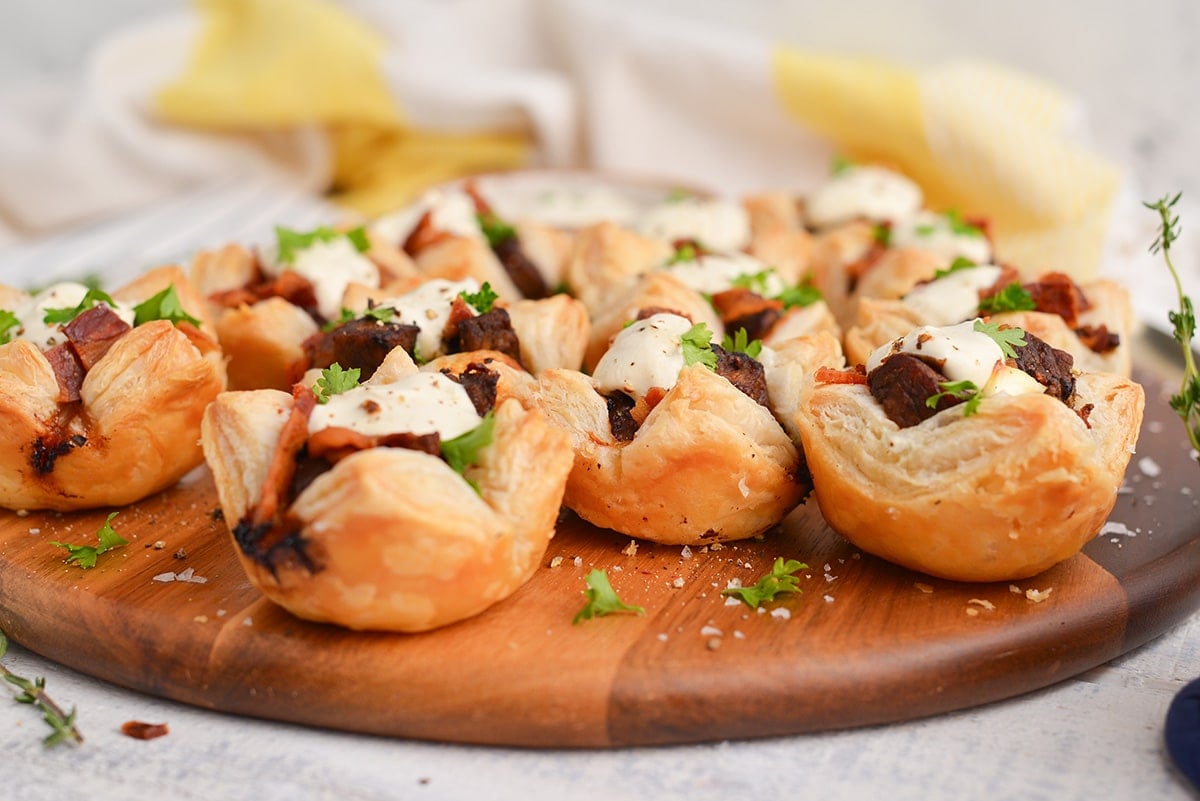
{"x":330,"y":267}
{"x":646,"y":354}
{"x":933,"y":233}
{"x":953,"y":297}
{"x":869,"y":192}
{"x":64,"y":295}
{"x":428,"y":308}
{"x":420,"y":403}
{"x":715,"y":224}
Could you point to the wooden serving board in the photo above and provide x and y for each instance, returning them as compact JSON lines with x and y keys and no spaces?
{"x":865,"y":642}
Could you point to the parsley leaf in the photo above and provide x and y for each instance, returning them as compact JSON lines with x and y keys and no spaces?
{"x":959,"y":263}
{"x":602,"y":599}
{"x":163,"y":306}
{"x":8,"y":321}
{"x":482,"y":300}
{"x":839,"y":165}
{"x":924,"y":230}
{"x":677,"y":195}
{"x":962,"y":390}
{"x":959,"y":226}
{"x":344,"y":317}
{"x":802,"y":294}
{"x":289,"y":242}
{"x":463,"y":451}
{"x":495,"y":230}
{"x":62,"y":316}
{"x":85,"y":555}
{"x":685,"y":252}
{"x":755,"y":282}
{"x":697,"y":346}
{"x":882,"y":234}
{"x":780,"y":579}
{"x":1009,"y":338}
{"x":741,"y":343}
{"x":1012,"y":298}
{"x":334,"y":381}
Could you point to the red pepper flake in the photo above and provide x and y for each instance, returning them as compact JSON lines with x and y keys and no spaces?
{"x":144,"y":731}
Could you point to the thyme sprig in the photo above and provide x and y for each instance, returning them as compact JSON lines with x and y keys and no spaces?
{"x":33,"y":691}
{"x":1187,"y":402}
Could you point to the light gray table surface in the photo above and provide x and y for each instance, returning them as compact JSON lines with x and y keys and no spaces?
{"x":1096,"y":736}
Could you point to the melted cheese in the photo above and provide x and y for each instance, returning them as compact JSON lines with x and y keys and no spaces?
{"x":644,"y":355}
{"x":932,"y":233}
{"x":716,"y":272}
{"x":954,"y":297}
{"x":421,"y":403}
{"x":873,"y":193}
{"x":330,"y":267}
{"x":428,"y":308}
{"x":65,"y":295}
{"x":716,"y":224}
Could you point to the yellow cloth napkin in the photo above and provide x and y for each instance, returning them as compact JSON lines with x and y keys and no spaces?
{"x":374,"y":105}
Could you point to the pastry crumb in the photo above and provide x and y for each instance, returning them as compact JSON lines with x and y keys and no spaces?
{"x":980,"y":602}
{"x":925,"y":588}
{"x":1037,"y":596}
{"x":630,"y":549}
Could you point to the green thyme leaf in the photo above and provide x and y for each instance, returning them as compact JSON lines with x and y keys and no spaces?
{"x":1009,"y":338}
{"x":85,"y":555}
{"x":741,"y":343}
{"x":481,"y":301}
{"x":780,"y":579}
{"x":602,"y":599}
{"x":334,"y":381}
{"x":63,"y":316}
{"x":163,"y":306}
{"x":960,"y":390}
{"x":697,"y":346}
{"x":33,"y":691}
{"x":1012,"y":298}
{"x":1186,"y":403}
{"x":8,"y":321}
{"x":463,"y":451}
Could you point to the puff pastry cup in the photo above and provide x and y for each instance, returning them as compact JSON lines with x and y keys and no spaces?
{"x":389,"y":538}
{"x":707,"y":463}
{"x":133,"y":427}
{"x":1001,"y":494}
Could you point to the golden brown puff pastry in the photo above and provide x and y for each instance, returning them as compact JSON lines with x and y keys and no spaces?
{"x":133,"y":430}
{"x":553,"y":332}
{"x":456,"y":257}
{"x":1000,"y":495}
{"x":396,"y":540}
{"x":881,"y":321}
{"x":708,"y":464}
{"x":547,"y":247}
{"x":262,"y":341}
{"x":606,"y":262}
{"x":778,"y":236}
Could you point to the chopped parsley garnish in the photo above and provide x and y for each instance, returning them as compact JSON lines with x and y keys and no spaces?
{"x":685,"y":252}
{"x":882,"y":234}
{"x":1012,"y":298}
{"x":839,"y":165}
{"x":1008,"y":338}
{"x":780,"y":579}
{"x":755,"y":282}
{"x":463,"y":451}
{"x":802,"y":294}
{"x":602,"y":599}
{"x":163,"y":306}
{"x":8,"y":321}
{"x":959,"y":263}
{"x":924,"y":229}
{"x":741,"y":343}
{"x":85,"y":555}
{"x":63,"y":316}
{"x":959,"y":226}
{"x":290,"y":242}
{"x":495,"y":230}
{"x":962,"y":390}
{"x":482,"y":300}
{"x":334,"y":381}
{"x":697,"y":346}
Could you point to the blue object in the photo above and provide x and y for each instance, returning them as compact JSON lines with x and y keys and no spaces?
{"x":1183,"y":731}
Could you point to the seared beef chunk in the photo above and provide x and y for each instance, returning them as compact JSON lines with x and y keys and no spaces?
{"x":480,"y":384}
{"x":1056,"y":293}
{"x":620,"y":418}
{"x":289,"y":285}
{"x":741,"y":308}
{"x":903,"y":384}
{"x":490,"y":331}
{"x":68,"y":372}
{"x":520,"y":269}
{"x":93,"y":332}
{"x":361,"y":343}
{"x":743,"y":372}
{"x":1049,"y":365}
{"x":1098,"y":338}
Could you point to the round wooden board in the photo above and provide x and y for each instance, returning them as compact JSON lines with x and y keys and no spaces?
{"x":865,"y":642}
